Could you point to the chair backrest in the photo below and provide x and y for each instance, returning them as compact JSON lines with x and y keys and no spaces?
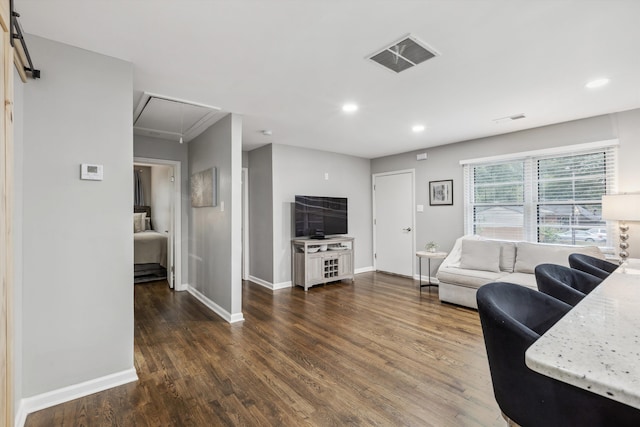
{"x":513,"y":317}
{"x":564,"y":283}
{"x":594,"y":266}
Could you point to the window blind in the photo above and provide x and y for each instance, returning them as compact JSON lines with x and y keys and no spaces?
{"x":537,"y":198}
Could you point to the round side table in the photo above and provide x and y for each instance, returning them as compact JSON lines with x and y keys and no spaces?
{"x":429,"y":256}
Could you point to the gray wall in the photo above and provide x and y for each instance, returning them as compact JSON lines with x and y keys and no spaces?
{"x":77,"y":241}
{"x":18,"y":118}
{"x":626,"y":126}
{"x":215,"y":246}
{"x":302,"y":171}
{"x":155,"y":148}
{"x":261,"y":213}
{"x":444,"y":224}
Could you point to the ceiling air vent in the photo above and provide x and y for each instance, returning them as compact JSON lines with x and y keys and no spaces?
{"x":404,"y":54}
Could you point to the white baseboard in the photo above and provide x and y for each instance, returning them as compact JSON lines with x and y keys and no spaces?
{"x":282,"y":285}
{"x":231,"y":318}
{"x":76,"y":391}
{"x":289,"y":284}
{"x":261,"y":282}
{"x":269,"y":285}
{"x":181,"y":287}
{"x":425,"y":279}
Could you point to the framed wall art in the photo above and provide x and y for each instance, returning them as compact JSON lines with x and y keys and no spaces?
{"x":203,"y":189}
{"x":441,"y":193}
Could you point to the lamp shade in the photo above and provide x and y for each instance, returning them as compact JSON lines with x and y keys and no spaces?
{"x":621,"y":207}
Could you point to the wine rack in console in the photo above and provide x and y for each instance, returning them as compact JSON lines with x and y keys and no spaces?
{"x":321,"y":261}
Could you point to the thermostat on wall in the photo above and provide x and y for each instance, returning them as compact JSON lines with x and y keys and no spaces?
{"x":91,"y":172}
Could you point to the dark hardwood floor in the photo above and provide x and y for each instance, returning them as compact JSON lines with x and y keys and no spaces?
{"x":375,"y":352}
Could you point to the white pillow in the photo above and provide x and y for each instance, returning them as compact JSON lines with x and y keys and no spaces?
{"x":480,"y":255}
{"x":138,"y":222}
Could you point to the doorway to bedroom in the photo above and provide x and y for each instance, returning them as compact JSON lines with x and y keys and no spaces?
{"x":157,"y":196}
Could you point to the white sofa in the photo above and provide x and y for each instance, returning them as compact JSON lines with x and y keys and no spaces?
{"x":475,"y":261}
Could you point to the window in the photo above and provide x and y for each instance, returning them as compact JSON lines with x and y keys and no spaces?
{"x":550,"y":197}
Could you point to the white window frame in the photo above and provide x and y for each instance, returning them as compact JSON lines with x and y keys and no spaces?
{"x":531,"y":202}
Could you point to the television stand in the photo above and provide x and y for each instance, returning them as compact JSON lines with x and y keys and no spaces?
{"x":310,"y":266}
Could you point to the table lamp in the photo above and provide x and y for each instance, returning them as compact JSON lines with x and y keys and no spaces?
{"x":622,"y":207}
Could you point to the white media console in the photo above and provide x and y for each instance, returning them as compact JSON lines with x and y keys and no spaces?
{"x":321,"y":261}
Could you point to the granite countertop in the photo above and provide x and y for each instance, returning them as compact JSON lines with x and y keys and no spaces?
{"x":596,"y":346}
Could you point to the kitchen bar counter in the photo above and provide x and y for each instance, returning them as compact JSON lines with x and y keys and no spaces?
{"x":596,"y":346}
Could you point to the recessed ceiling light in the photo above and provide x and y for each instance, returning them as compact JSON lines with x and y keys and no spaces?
{"x":597,"y":83}
{"x":418,"y":128}
{"x":350,"y":108}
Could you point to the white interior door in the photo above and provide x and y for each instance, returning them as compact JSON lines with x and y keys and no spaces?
{"x":393,"y":222}
{"x":166,"y":204}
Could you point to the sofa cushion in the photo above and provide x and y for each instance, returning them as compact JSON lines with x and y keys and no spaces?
{"x":524,"y":279}
{"x":480,"y":255}
{"x":529,"y":255}
{"x":468,"y":278}
{"x":507,"y":256}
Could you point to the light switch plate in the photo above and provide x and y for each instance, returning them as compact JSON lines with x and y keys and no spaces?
{"x":91,"y":172}
{"x":420,"y":208}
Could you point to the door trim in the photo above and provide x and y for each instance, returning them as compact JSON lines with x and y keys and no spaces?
{"x":176,"y":201}
{"x":413,"y":212}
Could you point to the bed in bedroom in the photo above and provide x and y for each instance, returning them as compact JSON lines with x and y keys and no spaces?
{"x":149,"y":248}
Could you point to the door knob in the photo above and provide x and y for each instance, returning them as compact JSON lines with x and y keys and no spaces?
{"x":406,"y":229}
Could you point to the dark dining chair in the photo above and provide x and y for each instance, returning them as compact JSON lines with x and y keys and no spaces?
{"x":592,"y":265}
{"x":564,"y":283}
{"x":513,"y":317}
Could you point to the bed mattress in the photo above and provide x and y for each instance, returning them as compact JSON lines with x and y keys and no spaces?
{"x":150,"y":247}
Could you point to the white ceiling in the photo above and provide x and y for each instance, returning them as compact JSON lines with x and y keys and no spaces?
{"x":289,"y":65}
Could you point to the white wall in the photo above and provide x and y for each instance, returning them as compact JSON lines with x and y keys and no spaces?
{"x":215,"y":236}
{"x":18,"y":117}
{"x":302,"y":171}
{"x":444,"y":224}
{"x":161,"y":193}
{"x":77,"y":311}
{"x":154,"y":148}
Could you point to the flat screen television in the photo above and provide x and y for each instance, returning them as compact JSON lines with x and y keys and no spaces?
{"x":317,"y":216}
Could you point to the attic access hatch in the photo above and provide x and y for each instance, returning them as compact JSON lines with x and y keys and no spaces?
{"x":403,"y":54}
{"x":169,"y":118}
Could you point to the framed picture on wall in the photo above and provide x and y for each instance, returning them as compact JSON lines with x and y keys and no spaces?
{"x":441,"y":193}
{"x":203,"y":189}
